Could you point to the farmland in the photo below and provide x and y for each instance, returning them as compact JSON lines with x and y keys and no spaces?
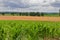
{"x":35,"y":18}
{"x":29,"y":30}
{"x":29,"y":26}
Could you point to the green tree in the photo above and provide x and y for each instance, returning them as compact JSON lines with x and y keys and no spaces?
{"x":42,"y":14}
{"x":12,"y":13}
{"x":3,"y":14}
{"x":59,"y":12}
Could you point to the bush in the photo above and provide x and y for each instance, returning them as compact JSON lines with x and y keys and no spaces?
{"x":3,"y":14}
{"x":42,"y":14}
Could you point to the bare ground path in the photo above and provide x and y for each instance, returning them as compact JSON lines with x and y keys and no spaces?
{"x":29,"y":18}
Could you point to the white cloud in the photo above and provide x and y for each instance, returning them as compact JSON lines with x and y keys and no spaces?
{"x":27,"y":5}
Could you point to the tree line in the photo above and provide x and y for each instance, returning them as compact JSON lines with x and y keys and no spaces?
{"x":29,"y":14}
{"x":23,"y":13}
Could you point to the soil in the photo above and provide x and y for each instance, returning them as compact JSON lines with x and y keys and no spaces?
{"x":30,"y":18}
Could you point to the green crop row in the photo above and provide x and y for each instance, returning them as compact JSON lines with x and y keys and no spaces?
{"x":29,"y":30}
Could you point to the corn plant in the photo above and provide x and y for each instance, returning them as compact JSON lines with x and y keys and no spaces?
{"x":29,"y":30}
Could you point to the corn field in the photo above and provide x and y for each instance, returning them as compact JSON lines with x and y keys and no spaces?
{"x":29,"y":30}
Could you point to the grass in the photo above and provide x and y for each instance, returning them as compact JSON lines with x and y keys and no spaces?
{"x":52,"y":14}
{"x":29,"y":30}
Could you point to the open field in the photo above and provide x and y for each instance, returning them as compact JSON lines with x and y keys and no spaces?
{"x":44,"y":18}
{"x":29,"y":30}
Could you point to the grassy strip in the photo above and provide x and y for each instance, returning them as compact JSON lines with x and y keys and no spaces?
{"x":29,"y":30}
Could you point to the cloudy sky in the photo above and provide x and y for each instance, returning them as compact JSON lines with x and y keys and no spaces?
{"x":30,"y":5}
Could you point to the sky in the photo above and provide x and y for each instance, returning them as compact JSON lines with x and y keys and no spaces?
{"x":29,"y":5}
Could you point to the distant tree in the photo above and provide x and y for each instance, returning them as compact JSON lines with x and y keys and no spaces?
{"x":32,"y":14}
{"x":12,"y":13}
{"x":42,"y":14}
{"x":3,"y":14}
{"x":26,"y":14}
{"x":59,"y":12}
{"x":38,"y":14}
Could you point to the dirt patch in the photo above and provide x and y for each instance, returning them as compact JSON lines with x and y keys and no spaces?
{"x":29,"y":18}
